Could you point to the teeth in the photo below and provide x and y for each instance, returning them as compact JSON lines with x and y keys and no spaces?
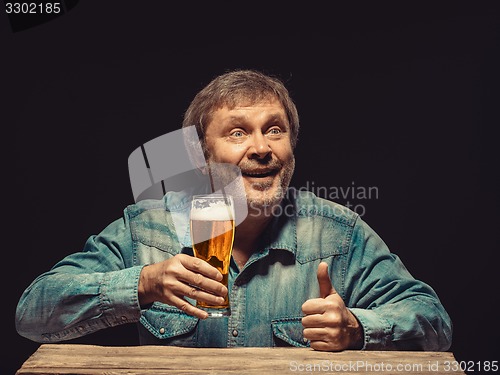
{"x":262,"y":174}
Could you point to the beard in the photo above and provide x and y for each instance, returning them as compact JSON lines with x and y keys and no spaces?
{"x":261,"y":193}
{"x":267,"y":192}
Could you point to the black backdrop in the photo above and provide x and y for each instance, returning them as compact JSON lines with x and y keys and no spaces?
{"x":401,"y":97}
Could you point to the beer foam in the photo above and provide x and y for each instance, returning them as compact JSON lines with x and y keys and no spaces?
{"x":214,"y":213}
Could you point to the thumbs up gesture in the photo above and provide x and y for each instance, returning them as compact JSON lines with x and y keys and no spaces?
{"x":328,"y":324}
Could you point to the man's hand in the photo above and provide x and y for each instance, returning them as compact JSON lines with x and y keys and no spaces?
{"x":178,"y":277}
{"x":328,"y":324}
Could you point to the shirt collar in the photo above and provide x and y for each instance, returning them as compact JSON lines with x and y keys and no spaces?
{"x":281,"y":233}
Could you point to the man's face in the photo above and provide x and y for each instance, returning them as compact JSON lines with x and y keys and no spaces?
{"x":256,"y":138}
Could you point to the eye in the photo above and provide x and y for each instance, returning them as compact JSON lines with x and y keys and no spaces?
{"x":274,"y":131}
{"x":237,"y":134}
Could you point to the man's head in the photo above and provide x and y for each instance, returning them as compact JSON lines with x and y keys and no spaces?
{"x":237,"y":88}
{"x":248,"y":119}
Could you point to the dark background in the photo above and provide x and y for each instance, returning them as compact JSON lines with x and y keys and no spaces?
{"x":401,"y":96}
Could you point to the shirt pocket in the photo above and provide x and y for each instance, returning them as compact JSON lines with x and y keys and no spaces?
{"x":170,"y":324}
{"x":289,"y":331}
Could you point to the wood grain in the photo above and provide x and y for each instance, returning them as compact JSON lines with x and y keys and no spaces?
{"x":112,"y":360}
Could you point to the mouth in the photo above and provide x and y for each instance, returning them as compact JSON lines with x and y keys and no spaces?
{"x":260,"y":173}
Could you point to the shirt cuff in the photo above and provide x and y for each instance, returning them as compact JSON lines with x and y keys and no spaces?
{"x":377,"y":330}
{"x":119,"y":295}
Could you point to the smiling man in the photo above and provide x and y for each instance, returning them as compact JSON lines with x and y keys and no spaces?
{"x":305,"y":271}
{"x":256,"y":138}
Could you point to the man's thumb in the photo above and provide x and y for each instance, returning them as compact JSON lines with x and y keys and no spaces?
{"x":325,"y":284}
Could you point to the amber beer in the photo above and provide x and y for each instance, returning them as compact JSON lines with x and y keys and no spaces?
{"x":212,"y":234}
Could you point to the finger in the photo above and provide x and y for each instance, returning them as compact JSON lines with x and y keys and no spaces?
{"x":314,"y":306}
{"x":315,"y":334}
{"x":189,"y":309}
{"x":197,"y":272}
{"x":325,"y":284}
{"x":325,"y":346}
{"x":200,"y":266}
{"x":203,"y":283}
{"x":313,"y":321}
{"x":199,"y":295}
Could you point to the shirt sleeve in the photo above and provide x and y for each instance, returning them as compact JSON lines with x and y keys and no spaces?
{"x":396,"y":311}
{"x":84,"y":292}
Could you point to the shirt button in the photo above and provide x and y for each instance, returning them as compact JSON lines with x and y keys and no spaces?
{"x":235,"y":332}
{"x":162,"y":330}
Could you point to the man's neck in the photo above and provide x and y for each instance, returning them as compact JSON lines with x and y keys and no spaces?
{"x":247,"y":235}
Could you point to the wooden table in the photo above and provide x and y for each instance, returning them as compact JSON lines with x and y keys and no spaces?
{"x":112,"y":360}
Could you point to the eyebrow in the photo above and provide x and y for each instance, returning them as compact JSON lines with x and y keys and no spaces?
{"x":272,"y":118}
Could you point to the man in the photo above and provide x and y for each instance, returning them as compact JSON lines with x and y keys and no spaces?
{"x":305,"y":271}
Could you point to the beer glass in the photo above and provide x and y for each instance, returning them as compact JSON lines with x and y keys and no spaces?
{"x":212,"y":235}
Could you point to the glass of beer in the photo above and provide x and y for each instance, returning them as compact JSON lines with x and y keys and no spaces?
{"x":212,"y":235}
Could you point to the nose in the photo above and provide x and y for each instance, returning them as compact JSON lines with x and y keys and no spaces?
{"x":259,"y":149}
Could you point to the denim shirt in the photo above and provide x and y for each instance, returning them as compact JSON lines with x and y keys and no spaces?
{"x":97,"y":288}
